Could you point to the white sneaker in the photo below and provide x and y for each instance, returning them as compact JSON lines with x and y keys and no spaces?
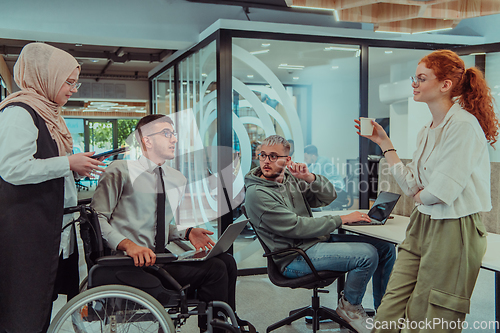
{"x":355,"y":315}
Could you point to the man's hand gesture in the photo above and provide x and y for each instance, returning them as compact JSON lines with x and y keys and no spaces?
{"x":199,"y":238}
{"x":300,"y":171}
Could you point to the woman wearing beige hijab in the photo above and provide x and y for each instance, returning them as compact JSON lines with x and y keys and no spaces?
{"x":36,"y":183}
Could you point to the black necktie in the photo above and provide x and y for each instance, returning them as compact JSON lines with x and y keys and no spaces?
{"x":160,"y":213}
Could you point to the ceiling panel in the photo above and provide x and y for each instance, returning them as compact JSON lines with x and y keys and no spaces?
{"x":98,"y":62}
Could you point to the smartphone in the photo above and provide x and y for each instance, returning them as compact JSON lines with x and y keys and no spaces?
{"x":111,"y":152}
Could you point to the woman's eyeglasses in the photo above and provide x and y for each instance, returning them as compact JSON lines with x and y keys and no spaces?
{"x":272,"y":157}
{"x":74,"y":85}
{"x":168,"y":134}
{"x":415,"y":80}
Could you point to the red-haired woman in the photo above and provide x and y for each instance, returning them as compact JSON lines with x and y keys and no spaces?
{"x":449,"y":179}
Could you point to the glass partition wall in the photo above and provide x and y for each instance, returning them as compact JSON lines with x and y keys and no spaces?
{"x":188,"y":94}
{"x":235,"y":88}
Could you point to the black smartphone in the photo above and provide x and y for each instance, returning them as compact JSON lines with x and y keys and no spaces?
{"x":111,"y":152}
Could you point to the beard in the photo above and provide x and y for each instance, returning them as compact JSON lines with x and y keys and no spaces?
{"x":270,"y":175}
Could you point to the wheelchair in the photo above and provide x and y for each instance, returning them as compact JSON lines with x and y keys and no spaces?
{"x":117,"y":296}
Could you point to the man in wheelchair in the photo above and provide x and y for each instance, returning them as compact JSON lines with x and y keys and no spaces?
{"x":136,"y":200}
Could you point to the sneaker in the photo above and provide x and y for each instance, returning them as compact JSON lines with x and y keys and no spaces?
{"x":355,"y":315}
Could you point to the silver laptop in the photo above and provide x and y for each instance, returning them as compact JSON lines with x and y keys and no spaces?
{"x":222,"y":245}
{"x":381,"y":209}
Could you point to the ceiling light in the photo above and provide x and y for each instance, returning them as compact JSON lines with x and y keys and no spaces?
{"x":94,"y":60}
{"x":259,"y":52}
{"x":184,"y":83}
{"x":204,"y":74}
{"x":388,"y":52}
{"x":250,"y":76}
{"x":78,"y":44}
{"x":286,"y":66}
{"x":478,"y":53}
{"x":393,"y":32}
{"x":315,"y":8}
{"x":435,"y":30}
{"x":295,"y":77}
{"x":266,"y":44}
{"x":340,"y":48}
{"x":335,"y":67}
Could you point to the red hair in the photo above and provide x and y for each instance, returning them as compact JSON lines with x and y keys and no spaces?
{"x":469,"y":86}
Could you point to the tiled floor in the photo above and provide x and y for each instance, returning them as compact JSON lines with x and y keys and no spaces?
{"x":262,"y":303}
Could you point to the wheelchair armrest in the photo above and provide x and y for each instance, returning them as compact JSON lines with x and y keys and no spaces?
{"x":301,"y":253}
{"x":124,"y":260}
{"x":115,"y":260}
{"x":84,"y":201}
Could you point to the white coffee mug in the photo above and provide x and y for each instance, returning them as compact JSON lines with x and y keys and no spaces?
{"x":366,"y":126}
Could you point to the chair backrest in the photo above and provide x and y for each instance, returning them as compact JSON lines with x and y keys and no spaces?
{"x":90,"y":232}
{"x":277,"y":278}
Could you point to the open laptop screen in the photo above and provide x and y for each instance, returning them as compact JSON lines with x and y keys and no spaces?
{"x":383,"y":206}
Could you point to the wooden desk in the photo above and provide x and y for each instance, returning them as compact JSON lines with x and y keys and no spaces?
{"x":394,"y":231}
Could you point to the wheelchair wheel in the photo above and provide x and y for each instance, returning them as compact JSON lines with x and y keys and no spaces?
{"x":112,"y":308}
{"x":83,"y":285}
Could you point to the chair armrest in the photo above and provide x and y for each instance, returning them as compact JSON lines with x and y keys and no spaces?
{"x":115,"y":260}
{"x":84,"y":201}
{"x":124,"y":260}
{"x":301,"y":253}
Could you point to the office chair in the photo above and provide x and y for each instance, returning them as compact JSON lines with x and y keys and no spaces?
{"x":313,"y":281}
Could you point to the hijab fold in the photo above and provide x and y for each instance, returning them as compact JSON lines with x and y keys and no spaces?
{"x":40,"y":72}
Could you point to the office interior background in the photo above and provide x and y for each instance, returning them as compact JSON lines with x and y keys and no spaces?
{"x":230,"y":73}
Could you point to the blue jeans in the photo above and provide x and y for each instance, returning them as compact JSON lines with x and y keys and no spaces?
{"x":361,"y":257}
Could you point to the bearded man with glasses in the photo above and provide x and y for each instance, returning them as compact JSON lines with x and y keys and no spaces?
{"x":279,"y":197}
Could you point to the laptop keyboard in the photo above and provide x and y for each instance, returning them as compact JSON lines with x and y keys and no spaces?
{"x":373,"y":221}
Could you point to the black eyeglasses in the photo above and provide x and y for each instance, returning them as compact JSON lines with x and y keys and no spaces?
{"x":168,"y":134}
{"x":272,"y":157}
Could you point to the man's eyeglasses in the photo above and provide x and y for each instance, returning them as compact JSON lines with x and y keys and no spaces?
{"x":168,"y":134}
{"x":74,"y":85}
{"x":272,"y":157}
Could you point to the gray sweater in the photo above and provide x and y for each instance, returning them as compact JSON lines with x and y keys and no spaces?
{"x":281,"y":212}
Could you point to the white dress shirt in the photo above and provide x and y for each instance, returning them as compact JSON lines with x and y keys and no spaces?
{"x":451,"y":166}
{"x":18,"y":135}
{"x":125,"y":199}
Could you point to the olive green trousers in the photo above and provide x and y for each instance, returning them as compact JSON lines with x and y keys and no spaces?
{"x":434,"y":275}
